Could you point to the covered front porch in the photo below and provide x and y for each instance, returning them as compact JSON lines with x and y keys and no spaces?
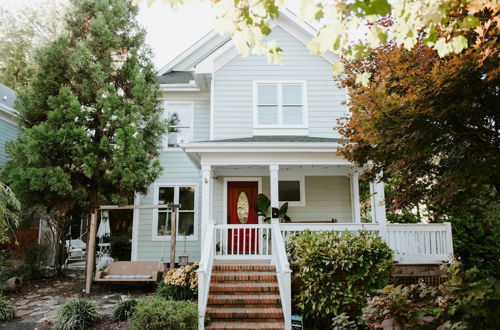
{"x":322,"y":189}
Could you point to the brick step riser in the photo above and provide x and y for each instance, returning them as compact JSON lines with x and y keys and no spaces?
{"x":243,"y":290}
{"x":246,"y":280}
{"x":230,"y":302}
{"x":246,"y":327}
{"x":245,"y":268}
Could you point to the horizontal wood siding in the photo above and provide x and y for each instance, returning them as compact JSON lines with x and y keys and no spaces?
{"x":177,"y":169}
{"x":8,"y":131}
{"x":233,"y":115}
{"x":201,"y":129}
{"x":327,"y":197}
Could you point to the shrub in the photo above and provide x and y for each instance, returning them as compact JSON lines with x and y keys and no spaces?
{"x":179,"y":283}
{"x":185,"y":276}
{"x":124,"y":310}
{"x":7,"y":311}
{"x":476,"y":243}
{"x":174,"y":292}
{"x":337,"y":271}
{"x":77,"y":314}
{"x":156,"y":313}
{"x":466,"y":301}
{"x":35,"y":261}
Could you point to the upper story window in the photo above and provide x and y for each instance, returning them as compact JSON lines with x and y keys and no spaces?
{"x":280,"y":104}
{"x":179,"y":116}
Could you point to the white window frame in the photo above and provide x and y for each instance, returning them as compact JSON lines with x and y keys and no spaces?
{"x":280,"y":124}
{"x":166,"y":104}
{"x":156,"y":196}
{"x":302,"y":186}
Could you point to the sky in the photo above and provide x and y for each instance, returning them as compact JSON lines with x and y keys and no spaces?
{"x":169,"y":32}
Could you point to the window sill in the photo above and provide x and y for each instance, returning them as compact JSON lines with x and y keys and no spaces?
{"x":280,"y":131}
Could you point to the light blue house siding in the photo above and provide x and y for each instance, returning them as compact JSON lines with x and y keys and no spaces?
{"x":233,"y":116}
{"x":177,"y":169}
{"x":8,"y":131}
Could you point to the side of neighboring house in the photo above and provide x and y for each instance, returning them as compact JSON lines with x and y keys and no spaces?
{"x":8,"y":122}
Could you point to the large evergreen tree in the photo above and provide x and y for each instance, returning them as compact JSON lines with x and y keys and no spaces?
{"x":92,"y":116}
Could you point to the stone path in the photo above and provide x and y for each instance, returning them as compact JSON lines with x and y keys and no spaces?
{"x":38,"y":309}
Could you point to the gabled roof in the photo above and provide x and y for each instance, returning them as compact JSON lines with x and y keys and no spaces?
{"x":7,"y":100}
{"x":212,"y":42}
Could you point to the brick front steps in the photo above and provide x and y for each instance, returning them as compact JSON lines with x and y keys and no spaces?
{"x":244,"y":297}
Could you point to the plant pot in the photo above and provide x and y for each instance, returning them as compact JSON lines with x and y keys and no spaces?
{"x":183,"y":260}
{"x":13,"y":284}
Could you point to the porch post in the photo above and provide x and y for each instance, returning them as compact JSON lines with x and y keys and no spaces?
{"x":273,"y":170}
{"x":378,"y":206}
{"x":206,"y":197}
{"x":356,"y":208}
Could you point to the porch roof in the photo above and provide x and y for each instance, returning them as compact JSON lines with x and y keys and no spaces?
{"x":277,"y":138}
{"x":265,"y":149}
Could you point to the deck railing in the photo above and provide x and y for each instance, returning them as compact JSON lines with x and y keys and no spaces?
{"x":205,"y":273}
{"x":243,"y":241}
{"x":412,"y":243}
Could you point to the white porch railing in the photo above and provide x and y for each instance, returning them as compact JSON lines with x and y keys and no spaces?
{"x":205,"y":273}
{"x":283,"y":273}
{"x":421,"y":243}
{"x":412,"y":243}
{"x":243,"y":241}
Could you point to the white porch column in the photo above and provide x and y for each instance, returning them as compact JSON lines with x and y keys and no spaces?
{"x":356,"y":207}
{"x":273,"y":170}
{"x":206,"y":197}
{"x":378,"y":206}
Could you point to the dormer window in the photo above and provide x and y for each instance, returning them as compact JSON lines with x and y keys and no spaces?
{"x":280,"y":104}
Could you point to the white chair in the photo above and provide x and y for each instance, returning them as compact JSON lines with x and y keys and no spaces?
{"x":76,"y":249}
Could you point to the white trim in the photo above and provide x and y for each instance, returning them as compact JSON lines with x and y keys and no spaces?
{"x":283,"y":176}
{"x":212,"y":108}
{"x":135,"y":227}
{"x":154,"y":227}
{"x":280,"y":83}
{"x":260,"y":147}
{"x":237,"y":179}
{"x":168,"y":102}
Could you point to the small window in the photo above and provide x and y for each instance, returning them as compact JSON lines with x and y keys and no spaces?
{"x":184,"y":195}
{"x":179,"y":117}
{"x":292,"y":191}
{"x":280,"y":104}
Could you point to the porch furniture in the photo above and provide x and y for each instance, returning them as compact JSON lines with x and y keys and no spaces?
{"x":76,"y":249}
{"x":131,"y":271}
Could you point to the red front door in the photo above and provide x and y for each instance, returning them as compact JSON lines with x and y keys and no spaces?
{"x":241,"y":198}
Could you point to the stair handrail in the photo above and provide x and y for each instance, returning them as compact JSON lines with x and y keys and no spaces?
{"x":283,"y":272}
{"x":205,"y":273}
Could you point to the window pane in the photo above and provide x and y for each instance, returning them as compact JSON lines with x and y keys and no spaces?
{"x":267,"y":115}
{"x":292,"y":115}
{"x":186,"y":198}
{"x":179,"y":121}
{"x":184,"y":114}
{"x":289,"y":191}
{"x":267,"y":94}
{"x":163,"y":223}
{"x":292,"y":94}
{"x":186,"y":223}
{"x":166,"y":195}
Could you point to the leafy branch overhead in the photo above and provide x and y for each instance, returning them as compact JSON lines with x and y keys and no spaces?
{"x":443,"y":25}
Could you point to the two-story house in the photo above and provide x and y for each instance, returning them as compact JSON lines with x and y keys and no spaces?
{"x":246,"y":126}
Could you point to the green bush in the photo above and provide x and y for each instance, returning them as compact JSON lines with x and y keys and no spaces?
{"x":175,"y":292}
{"x":157,"y":313}
{"x":337,"y":271}
{"x":76,"y":315}
{"x":124,"y":310}
{"x":476,"y":243}
{"x":466,"y":301}
{"x":35,"y":261}
{"x":7,"y":311}
{"x":7,"y":269}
